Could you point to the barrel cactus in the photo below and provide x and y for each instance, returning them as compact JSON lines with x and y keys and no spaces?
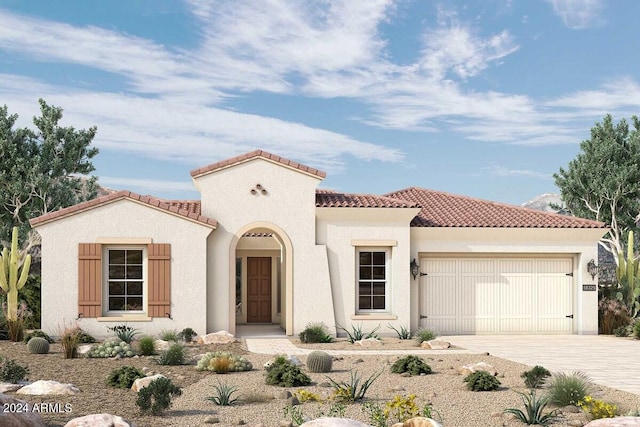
{"x":111,"y":348}
{"x":319,"y":361}
{"x":38,"y":345}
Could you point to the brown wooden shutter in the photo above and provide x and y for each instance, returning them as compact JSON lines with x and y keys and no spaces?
{"x":89,"y":280}
{"x":159,"y":274}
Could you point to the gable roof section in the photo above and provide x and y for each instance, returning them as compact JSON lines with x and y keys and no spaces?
{"x":189,"y":210}
{"x":223,"y":164}
{"x":332,"y":199}
{"x":440,"y":209}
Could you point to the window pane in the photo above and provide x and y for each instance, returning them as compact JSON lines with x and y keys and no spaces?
{"x":378,"y":258}
{"x":378,"y":303}
{"x":116,"y":303}
{"x":116,"y":288}
{"x":365,"y":273}
{"x":116,"y":272}
{"x":378,"y":273}
{"x":134,"y":303}
{"x":378,"y":289}
{"x":116,"y":257}
{"x":365,"y":258}
{"x":134,"y":288}
{"x":134,"y":257}
{"x":364,"y":303}
{"x":364,"y":288}
{"x":134,"y":272}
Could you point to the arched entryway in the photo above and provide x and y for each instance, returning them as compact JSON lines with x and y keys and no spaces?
{"x":261,"y":277}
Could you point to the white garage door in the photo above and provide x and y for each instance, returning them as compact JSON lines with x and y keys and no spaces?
{"x":497,"y":295}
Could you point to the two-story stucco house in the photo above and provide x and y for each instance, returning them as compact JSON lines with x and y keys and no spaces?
{"x":265,"y":245}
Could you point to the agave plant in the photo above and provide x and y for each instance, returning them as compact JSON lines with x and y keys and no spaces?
{"x":533,"y":410}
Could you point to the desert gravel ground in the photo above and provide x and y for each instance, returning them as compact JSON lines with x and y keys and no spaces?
{"x":260,"y":403}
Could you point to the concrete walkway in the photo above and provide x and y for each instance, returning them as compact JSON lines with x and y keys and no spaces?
{"x":609,"y":361}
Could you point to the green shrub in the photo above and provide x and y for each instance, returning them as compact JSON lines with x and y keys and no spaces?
{"x":237,"y":363}
{"x":146,"y":346}
{"x":124,"y":333}
{"x":353,"y":390}
{"x":535,"y":377}
{"x":112,"y":347}
{"x":284,"y":374}
{"x":84,"y":338}
{"x":413,"y":364}
{"x":568,"y":389}
{"x":156,"y":397}
{"x":403,"y":333}
{"x":124,"y":376}
{"x":37,"y":345}
{"x":482,"y":381}
{"x":636,"y":330}
{"x":315,"y":333}
{"x":173,"y":356}
{"x":356,"y":333}
{"x":534,"y":408}
{"x":623,"y":331}
{"x":424,"y":334}
{"x":223,"y":395}
{"x":187,"y":334}
{"x":319,"y":361}
{"x":12,"y":372}
{"x":40,"y":334}
{"x":170,"y":335}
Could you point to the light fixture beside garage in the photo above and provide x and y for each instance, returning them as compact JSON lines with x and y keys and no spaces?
{"x":592,"y":268}
{"x":415,"y":269}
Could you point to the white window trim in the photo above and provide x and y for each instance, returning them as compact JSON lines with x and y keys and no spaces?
{"x":387,"y":284}
{"x":105,"y":283}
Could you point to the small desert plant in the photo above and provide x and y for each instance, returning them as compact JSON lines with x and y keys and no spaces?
{"x":612,"y":314}
{"x":353,"y":390}
{"x":285,"y":374}
{"x":84,"y":338}
{"x":220,"y":365}
{"x":173,"y":356}
{"x":424,"y":334}
{"x":568,"y":389}
{"x":356,"y":333}
{"x":237,"y":363}
{"x":403,"y":333}
{"x":401,"y":408}
{"x":319,"y":361}
{"x":12,"y":372}
{"x":597,"y":408}
{"x":535,"y":377}
{"x":533,"y":410}
{"x":169,"y":335}
{"x":124,"y":333}
{"x":69,"y":341}
{"x":124,"y":376}
{"x":187,"y":335}
{"x":112,"y":347}
{"x":37,"y":345}
{"x":623,"y":331}
{"x":307,"y":396}
{"x":636,"y":330}
{"x":295,"y":413}
{"x":38,"y":333}
{"x":223,"y":395}
{"x":146,"y":346}
{"x":482,"y":381}
{"x":413,"y":364}
{"x":315,"y":333}
{"x":156,"y":397}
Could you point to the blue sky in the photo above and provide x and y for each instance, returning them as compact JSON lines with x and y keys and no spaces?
{"x":486,"y":99}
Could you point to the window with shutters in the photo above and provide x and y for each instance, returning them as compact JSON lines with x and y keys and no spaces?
{"x":124,"y":270}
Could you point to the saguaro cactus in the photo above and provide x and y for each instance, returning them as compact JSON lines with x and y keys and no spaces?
{"x":628,"y":274}
{"x":10,"y":281}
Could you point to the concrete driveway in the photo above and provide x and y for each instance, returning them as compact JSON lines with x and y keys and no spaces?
{"x":609,"y":361}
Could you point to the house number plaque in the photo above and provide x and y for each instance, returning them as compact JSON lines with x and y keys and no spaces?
{"x":587,"y":288}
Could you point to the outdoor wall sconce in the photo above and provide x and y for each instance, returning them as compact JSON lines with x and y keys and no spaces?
{"x":592,"y":268}
{"x":415,"y":269}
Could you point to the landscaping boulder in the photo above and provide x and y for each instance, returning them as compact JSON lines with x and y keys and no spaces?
{"x":334,"y":422}
{"x":141,"y":383}
{"x":5,"y":387}
{"x":294,"y":360}
{"x":435,"y":345}
{"x":475,"y":367}
{"x":44,"y":387}
{"x":98,"y":420}
{"x":18,"y":419}
{"x":220,"y":337}
{"x":418,"y":422}
{"x":161,"y":345}
{"x":615,"y":422}
{"x":369,"y":342}
{"x":84,"y":349}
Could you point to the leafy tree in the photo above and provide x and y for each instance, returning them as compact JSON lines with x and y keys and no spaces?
{"x":603,"y":181}
{"x":42,"y":170}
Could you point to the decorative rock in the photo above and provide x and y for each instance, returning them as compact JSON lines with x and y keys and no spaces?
{"x":161,"y":345}
{"x":576,"y":423}
{"x":141,"y":383}
{"x":84,"y":348}
{"x":293,"y":401}
{"x":358,"y":361}
{"x":48,"y":387}
{"x":418,"y":422}
{"x":369,"y":342}
{"x":334,"y":422}
{"x":16,"y":419}
{"x":240,"y":423}
{"x":284,"y":394}
{"x":294,"y":360}
{"x":220,"y":337}
{"x":212,"y":420}
{"x":475,"y":367}
{"x":405,"y":374}
{"x":285,"y":424}
{"x":615,"y":422}
{"x":98,"y":420}
{"x":571,"y":409}
{"x":324,"y":384}
{"x":435,"y":345}
{"x":5,"y":387}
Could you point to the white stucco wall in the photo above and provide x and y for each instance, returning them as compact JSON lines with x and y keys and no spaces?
{"x":289,"y":206}
{"x":120,"y":219}
{"x":580,"y":244}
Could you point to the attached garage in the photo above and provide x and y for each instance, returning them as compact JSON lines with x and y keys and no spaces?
{"x":497,"y":295}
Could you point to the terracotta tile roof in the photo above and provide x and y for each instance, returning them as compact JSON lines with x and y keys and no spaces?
{"x":440,"y":209}
{"x":332,"y":199}
{"x":193,"y":206}
{"x":124,"y":194}
{"x":257,"y":153}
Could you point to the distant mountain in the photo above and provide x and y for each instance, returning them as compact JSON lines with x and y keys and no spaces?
{"x":544,"y":202}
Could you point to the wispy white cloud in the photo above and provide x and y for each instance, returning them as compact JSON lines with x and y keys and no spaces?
{"x":579,"y":14}
{"x":506,"y":172}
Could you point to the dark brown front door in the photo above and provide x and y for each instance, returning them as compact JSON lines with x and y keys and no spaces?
{"x":259,"y":290}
